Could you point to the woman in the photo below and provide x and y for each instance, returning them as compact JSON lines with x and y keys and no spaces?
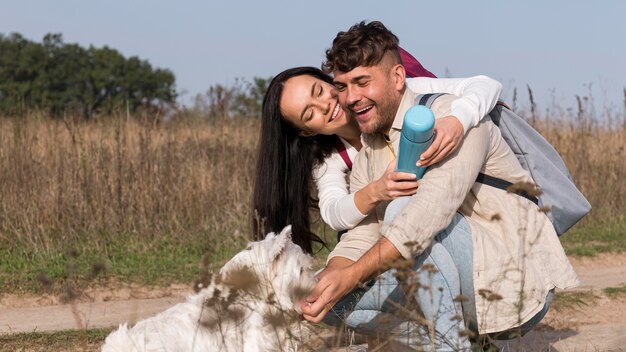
{"x":306,"y":136}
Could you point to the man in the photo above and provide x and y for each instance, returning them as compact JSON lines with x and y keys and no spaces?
{"x":489,"y":245}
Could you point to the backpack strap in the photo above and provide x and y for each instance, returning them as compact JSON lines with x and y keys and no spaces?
{"x":503,"y":185}
{"x":495,"y":112}
{"x":343,"y":153}
{"x":427,"y":101}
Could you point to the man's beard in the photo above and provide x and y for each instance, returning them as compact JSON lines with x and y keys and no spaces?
{"x":386,"y":110}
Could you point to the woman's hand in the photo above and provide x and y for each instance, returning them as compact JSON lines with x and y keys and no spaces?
{"x":389,"y":186}
{"x":448,"y":136}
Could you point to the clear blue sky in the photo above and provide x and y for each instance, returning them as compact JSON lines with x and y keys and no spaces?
{"x":558,"y":47}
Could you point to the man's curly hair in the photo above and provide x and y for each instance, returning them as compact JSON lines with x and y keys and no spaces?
{"x":362,"y":45}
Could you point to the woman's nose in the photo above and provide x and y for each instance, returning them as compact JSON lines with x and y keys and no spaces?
{"x":334,"y":93}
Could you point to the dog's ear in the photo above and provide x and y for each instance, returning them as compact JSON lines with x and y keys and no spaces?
{"x":280,"y":241}
{"x":269,"y":236}
{"x":273,"y":245}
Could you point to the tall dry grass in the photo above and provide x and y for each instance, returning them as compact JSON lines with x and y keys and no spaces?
{"x":70,"y":181}
{"x":593,"y":146}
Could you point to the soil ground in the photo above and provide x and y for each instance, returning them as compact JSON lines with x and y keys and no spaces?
{"x":596,"y":322}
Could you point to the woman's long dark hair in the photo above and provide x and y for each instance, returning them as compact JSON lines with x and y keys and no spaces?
{"x":284,"y":168}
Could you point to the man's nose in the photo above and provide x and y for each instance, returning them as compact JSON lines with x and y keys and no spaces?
{"x":353,"y":95}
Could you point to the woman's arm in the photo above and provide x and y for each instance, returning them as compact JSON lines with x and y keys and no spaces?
{"x":342,"y":210}
{"x":337,"y":206}
{"x":477,"y":96}
{"x":389,"y":186}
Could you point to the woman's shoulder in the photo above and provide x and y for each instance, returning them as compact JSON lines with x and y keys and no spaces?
{"x":349,"y":148}
{"x":333,"y":164}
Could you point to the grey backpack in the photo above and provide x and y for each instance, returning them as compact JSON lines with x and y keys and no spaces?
{"x":559,"y":193}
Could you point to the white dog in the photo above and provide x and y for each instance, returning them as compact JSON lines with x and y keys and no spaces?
{"x":252,"y":305}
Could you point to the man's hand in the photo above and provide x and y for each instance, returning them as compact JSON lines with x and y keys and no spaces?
{"x":448,"y":135}
{"x":333,"y":285}
{"x":342,"y":275}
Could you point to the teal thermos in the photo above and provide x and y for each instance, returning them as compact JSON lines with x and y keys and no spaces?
{"x":417,"y":135}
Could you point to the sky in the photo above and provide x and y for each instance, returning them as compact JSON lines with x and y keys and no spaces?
{"x":559,"y":48}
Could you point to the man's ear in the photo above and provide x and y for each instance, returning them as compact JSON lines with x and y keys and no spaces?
{"x":399,"y":76}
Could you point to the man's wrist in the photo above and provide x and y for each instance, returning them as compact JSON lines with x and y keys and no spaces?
{"x":375,"y":261}
{"x":355,"y":275}
{"x":338,"y":263}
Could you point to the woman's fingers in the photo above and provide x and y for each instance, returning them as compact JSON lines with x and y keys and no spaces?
{"x":430,"y":152}
{"x":448,"y":135}
{"x":448,"y":149}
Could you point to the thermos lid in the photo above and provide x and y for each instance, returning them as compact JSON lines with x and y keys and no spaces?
{"x":418,"y":124}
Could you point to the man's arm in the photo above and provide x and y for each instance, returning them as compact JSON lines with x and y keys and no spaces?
{"x":339,"y":278}
{"x":342,"y":275}
{"x":375,"y":261}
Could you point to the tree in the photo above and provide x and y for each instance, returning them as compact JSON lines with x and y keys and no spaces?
{"x":66,"y":78}
{"x":242,"y":98}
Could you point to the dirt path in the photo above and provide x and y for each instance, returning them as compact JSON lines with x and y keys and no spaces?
{"x":96,"y":308}
{"x":597,"y":325}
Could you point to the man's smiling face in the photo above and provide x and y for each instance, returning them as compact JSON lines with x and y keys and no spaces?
{"x":372,"y":94}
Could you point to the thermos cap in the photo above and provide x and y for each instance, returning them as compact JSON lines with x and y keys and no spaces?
{"x":418,"y":124}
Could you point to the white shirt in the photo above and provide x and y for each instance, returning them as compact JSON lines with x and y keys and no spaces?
{"x":477,"y":96}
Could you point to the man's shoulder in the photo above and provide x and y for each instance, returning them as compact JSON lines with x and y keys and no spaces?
{"x":442,"y":106}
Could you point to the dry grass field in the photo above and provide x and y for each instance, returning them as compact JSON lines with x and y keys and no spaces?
{"x":122,"y":194}
{"x":115,"y":192}
{"x":144,"y":201}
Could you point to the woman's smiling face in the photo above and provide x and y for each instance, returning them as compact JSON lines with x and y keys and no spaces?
{"x":310,"y":104}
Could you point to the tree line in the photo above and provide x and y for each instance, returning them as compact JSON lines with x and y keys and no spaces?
{"x":60,"y":78}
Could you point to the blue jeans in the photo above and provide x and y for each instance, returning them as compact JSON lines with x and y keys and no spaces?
{"x":380,"y":308}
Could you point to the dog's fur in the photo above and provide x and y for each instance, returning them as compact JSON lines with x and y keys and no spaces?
{"x":252,"y":305}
